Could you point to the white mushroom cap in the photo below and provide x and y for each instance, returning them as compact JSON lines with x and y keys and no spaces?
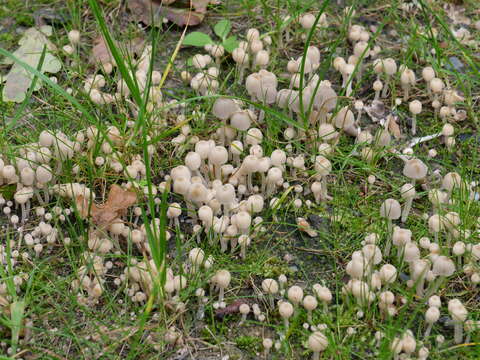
{"x":415,"y":169}
{"x":322,"y":166}
{"x":435,"y":223}
{"x":222,"y":278}
{"x":436,"y":85}
{"x":434,"y":301}
{"x":415,"y":107}
{"x":223,"y":108}
{"x":390,"y":209}
{"x":443,"y":266}
{"x":310,"y":302}
{"x":244,"y":309}
{"x":432,"y":315}
{"x":408,"y":191}
{"x":323,"y":293}
{"x":295,"y":294}
{"x":270,"y":286}
{"x":196,"y":256}
{"x":307,"y":21}
{"x":457,"y":311}
{"x":408,"y":343}
{"x":285,"y":309}
{"x":451,"y":180}
{"x":388,"y":273}
{"x":240,"y":56}
{"x":428,"y":73}
{"x":317,"y":342}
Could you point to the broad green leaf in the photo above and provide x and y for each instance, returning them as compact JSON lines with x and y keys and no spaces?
{"x":17,"y":312}
{"x":222,"y":28}
{"x":230,"y":44}
{"x":197,"y":38}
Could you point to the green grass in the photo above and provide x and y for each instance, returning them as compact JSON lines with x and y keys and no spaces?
{"x":117,"y":328}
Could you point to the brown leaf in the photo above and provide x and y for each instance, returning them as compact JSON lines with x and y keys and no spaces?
{"x":183,"y":17}
{"x":118,"y":201}
{"x":233,"y":308}
{"x":100,"y":52}
{"x":151,"y":13}
{"x":393,"y":127}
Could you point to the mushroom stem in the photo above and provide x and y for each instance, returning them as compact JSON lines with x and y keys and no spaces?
{"x":261,"y":116}
{"x":428,"y":330}
{"x":408,"y":205}
{"x":420,"y":285}
{"x":223,"y":244}
{"x":241,"y":73}
{"x":24,"y":214}
{"x":221,"y":294}
{"x":385,"y":88}
{"x":388,"y":245}
{"x":286,"y":324}
{"x":458,"y":331}
{"x":435,"y":286}
{"x":407,"y":208}
{"x":249,"y":182}
{"x":414,"y":124}
{"x":309,"y":316}
{"x":316,"y":355}
{"x":243,"y":250}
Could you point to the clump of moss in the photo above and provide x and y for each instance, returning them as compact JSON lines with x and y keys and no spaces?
{"x":251,"y":344}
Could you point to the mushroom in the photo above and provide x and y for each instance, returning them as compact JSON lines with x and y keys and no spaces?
{"x":243,"y":241}
{"x":221,"y":279}
{"x":407,"y":80}
{"x":415,"y":169}
{"x":415,"y":108}
{"x":295,"y":295}
{"x":389,"y":68}
{"x":435,"y":225}
{"x":310,"y":304}
{"x":428,"y":74}
{"x":217,"y":156}
{"x":442,"y":268}
{"x":459,"y":313}
{"x":408,"y":193}
{"x":270,"y":286}
{"x":317,"y":342}
{"x":285,"y":310}
{"x":431,"y":316}
{"x":418,"y":271}
{"x":267,"y":345}
{"x":323,"y":167}
{"x":244,"y":310}
{"x":390,"y":210}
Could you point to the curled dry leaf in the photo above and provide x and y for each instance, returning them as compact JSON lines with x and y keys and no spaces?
{"x":304,"y":225}
{"x":152,"y":12}
{"x":233,"y":308}
{"x":393,"y":126}
{"x":118,"y":201}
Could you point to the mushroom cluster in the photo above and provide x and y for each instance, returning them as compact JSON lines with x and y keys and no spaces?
{"x":225,"y":187}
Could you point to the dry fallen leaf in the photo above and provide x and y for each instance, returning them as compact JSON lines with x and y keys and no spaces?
{"x":100,"y":52}
{"x":32,"y":43}
{"x":152,"y":12}
{"x":393,"y":127}
{"x":233,"y":308}
{"x":118,"y":201}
